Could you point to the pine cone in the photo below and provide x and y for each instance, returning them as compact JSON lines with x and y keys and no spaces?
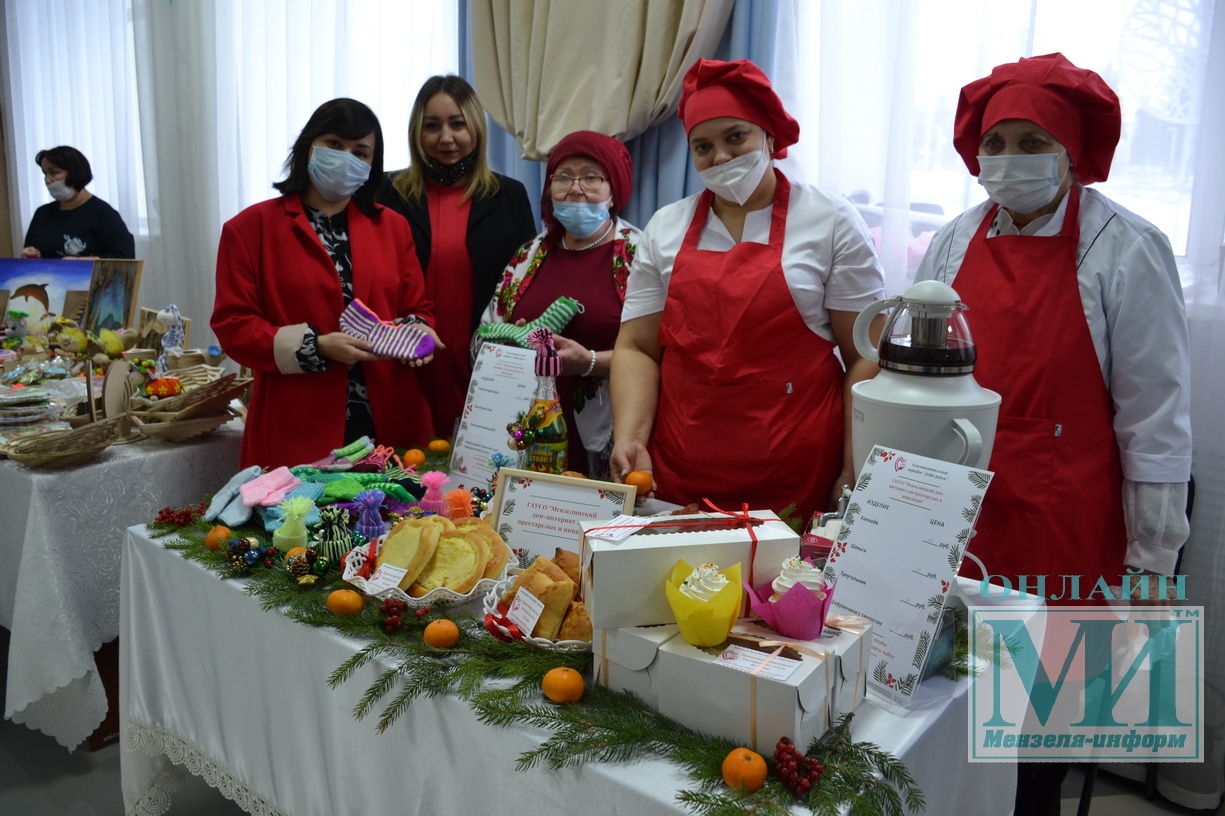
{"x":299,"y":566}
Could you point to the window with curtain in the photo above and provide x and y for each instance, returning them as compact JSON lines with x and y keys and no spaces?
{"x":878,"y":114}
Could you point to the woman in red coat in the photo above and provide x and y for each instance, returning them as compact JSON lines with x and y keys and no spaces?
{"x":287,"y":267}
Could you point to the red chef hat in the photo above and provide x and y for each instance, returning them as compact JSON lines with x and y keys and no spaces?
{"x":1074,"y":105}
{"x":612,"y":155}
{"x":714,"y":88}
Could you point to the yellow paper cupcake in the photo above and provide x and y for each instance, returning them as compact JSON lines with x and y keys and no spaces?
{"x":705,"y":601}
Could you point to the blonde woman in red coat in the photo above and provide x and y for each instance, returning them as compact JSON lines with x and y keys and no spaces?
{"x":287,"y":267}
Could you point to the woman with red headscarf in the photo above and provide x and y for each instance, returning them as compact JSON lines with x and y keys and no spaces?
{"x":1078,"y":317}
{"x":584,"y":253}
{"x":725,"y":382}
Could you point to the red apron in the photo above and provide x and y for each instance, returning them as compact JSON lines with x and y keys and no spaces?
{"x":750,"y":399}
{"x":1055,"y":506}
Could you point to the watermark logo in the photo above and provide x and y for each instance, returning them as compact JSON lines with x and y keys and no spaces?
{"x":1108,"y":683}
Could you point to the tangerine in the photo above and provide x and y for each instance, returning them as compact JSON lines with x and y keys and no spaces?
{"x":563,"y":685}
{"x":641,"y":480}
{"x":441,"y":634}
{"x":744,"y":770}
{"x":218,"y":536}
{"x":413,"y":457}
{"x":439,"y":446}
{"x":292,"y":551}
{"x":345,"y":602}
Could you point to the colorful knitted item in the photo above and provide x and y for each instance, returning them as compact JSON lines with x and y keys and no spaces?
{"x":555,"y":318}
{"x":403,"y":341}
{"x":270,"y":488}
{"x":369,"y":522}
{"x":548,"y":363}
{"x":333,"y":539}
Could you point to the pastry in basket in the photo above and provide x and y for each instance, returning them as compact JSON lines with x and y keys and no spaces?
{"x":577,"y":624}
{"x":556,"y":596}
{"x":458,"y":563}
{"x":540,"y":565}
{"x":499,"y":553}
{"x":411,"y":546}
{"x":441,"y":522}
{"x":568,"y":561}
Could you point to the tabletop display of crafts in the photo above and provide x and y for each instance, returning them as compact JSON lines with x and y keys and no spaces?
{"x":23,"y":406}
{"x":552,"y":606}
{"x":430,"y":561}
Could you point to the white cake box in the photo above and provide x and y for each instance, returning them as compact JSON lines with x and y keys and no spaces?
{"x":695,"y":690}
{"x":623,"y":581}
{"x":625,"y":659}
{"x":852,"y":645}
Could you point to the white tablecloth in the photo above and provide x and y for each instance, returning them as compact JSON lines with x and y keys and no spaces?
{"x":211,"y":683}
{"x":61,"y":532}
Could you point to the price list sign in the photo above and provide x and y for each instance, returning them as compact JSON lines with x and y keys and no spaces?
{"x":905,"y":532}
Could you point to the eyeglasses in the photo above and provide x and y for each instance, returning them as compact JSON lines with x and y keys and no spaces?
{"x":588,"y":184}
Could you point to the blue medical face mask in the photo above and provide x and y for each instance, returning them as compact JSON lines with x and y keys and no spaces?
{"x":336,"y":174}
{"x":580,"y":218}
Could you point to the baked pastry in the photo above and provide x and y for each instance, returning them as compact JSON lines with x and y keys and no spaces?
{"x":540,"y":565}
{"x":568,"y":561}
{"x":458,"y":563}
{"x":499,"y":553}
{"x":442,"y":522}
{"x":556,"y":597}
{"x":577,"y":624}
{"x":409,"y":545}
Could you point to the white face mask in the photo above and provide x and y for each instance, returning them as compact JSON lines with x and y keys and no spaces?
{"x":736,"y":179}
{"x":60,"y":190}
{"x":1024,"y":183}
{"x":336,"y":174}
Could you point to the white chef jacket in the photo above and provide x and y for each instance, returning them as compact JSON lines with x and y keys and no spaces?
{"x":828,"y":260}
{"x":1134,"y":308}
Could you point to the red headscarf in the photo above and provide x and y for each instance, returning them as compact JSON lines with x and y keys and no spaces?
{"x":1074,"y":105}
{"x":612,"y":155}
{"x":714,"y":88}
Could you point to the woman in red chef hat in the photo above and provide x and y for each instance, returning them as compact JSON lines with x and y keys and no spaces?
{"x":725,"y":382}
{"x":1077,"y":313}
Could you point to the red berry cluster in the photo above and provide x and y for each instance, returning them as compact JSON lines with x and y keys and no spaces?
{"x":798,"y":772}
{"x":391,"y":610}
{"x":181,"y":517}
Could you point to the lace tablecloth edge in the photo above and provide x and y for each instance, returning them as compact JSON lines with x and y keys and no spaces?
{"x":185,"y":757}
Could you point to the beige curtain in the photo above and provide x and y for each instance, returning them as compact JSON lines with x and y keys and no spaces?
{"x":545,"y":68}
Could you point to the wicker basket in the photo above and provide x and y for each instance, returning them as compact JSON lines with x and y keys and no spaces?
{"x":65,"y":448}
{"x":197,"y":375}
{"x":182,"y":430}
{"x":207,"y":400}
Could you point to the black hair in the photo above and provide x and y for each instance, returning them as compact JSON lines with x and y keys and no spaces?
{"x":71,"y":160}
{"x":348,"y":119}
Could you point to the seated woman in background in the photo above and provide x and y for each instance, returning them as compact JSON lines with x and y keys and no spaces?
{"x":287,"y":267}
{"x":466,"y":220}
{"x":584,"y":253}
{"x":77,"y":223}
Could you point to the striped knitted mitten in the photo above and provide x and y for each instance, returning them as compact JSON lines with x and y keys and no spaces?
{"x":403,"y":341}
{"x":555,"y":318}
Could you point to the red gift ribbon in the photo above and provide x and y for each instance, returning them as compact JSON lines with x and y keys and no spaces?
{"x":492,"y":622}
{"x":744,"y":517}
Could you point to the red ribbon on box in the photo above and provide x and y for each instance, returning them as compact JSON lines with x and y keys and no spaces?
{"x":744,"y":517}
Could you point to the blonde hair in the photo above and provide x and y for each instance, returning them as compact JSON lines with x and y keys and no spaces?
{"x":482,"y":181}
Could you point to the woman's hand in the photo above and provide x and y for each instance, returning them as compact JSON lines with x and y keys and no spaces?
{"x":626,"y":456}
{"x":420,"y":361}
{"x":575,"y":357}
{"x":344,"y":348}
{"x":846,"y":477}
{"x":31,"y":252}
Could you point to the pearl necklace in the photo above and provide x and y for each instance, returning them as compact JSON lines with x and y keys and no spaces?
{"x":599,"y":240}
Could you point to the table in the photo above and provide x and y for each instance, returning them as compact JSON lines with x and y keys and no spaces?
{"x":213,"y":685}
{"x":61,"y":532}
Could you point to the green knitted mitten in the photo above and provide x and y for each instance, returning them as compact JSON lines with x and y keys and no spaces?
{"x":555,"y":318}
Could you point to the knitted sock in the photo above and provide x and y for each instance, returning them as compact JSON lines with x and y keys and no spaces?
{"x":229,"y":490}
{"x":555,"y":318}
{"x":270,"y":488}
{"x":403,"y":341}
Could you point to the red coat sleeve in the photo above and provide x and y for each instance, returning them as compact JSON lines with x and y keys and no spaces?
{"x":239,"y":319}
